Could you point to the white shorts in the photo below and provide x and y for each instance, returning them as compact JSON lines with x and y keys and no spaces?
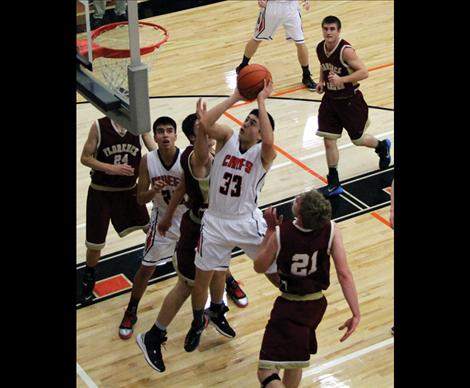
{"x":220,"y":235}
{"x":275,"y":14}
{"x":159,"y":250}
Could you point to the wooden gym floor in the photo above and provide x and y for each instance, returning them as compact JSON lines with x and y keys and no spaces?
{"x":205,"y":46}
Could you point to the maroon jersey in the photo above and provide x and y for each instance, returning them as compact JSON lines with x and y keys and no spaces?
{"x":197,"y":200}
{"x":113,"y":148}
{"x":303,"y":261}
{"x":333,"y":61}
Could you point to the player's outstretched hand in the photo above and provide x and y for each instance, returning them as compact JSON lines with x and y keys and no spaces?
{"x":270,"y":215}
{"x":351,"y":325}
{"x":267,"y":90}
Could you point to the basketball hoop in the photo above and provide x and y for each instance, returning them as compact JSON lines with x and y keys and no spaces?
{"x":112,"y":55}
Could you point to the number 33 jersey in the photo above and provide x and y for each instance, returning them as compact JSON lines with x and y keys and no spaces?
{"x":236,"y":179}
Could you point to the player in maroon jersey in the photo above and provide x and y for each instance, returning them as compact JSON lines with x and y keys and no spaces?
{"x":113,"y":154}
{"x":301,"y":249}
{"x":343,"y":105}
{"x":196,"y":161}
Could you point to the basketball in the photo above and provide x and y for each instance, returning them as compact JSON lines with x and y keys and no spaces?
{"x":250,"y":80}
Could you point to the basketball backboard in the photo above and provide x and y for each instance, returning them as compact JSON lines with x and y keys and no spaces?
{"x":110,"y":71}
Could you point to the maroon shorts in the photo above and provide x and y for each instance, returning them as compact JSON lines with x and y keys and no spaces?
{"x":351,"y":114}
{"x":119,"y":207}
{"x":289,"y":337}
{"x":186,"y":247}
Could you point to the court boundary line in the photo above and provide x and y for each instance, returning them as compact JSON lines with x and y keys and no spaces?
{"x":348,"y":357}
{"x":85,"y":377}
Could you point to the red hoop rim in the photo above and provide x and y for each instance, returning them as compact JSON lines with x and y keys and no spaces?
{"x":108,"y":52}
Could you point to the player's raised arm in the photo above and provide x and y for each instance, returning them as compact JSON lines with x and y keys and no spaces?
{"x":267,"y":133}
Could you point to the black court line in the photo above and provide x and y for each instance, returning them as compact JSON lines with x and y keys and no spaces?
{"x":226,"y":96}
{"x":366,"y":191}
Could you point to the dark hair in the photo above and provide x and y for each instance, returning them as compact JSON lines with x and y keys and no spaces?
{"x":332,"y":20}
{"x":256,"y":113}
{"x":188,"y":125}
{"x":163,"y":120}
{"x":315,"y":210}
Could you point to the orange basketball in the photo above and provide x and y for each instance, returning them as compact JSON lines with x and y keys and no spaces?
{"x":250,"y":80}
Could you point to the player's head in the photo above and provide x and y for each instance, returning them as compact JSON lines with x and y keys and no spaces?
{"x":164,"y":131}
{"x":188,"y":126}
{"x":251,"y":128}
{"x":331,"y":27}
{"x":190,"y":129}
{"x":312,"y":209}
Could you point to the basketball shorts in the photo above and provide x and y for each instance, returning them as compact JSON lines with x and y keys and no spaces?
{"x":275,"y":14}
{"x":352,"y":114}
{"x":158,"y":249}
{"x":220,"y":234}
{"x":184,"y":257}
{"x":119,"y":207}
{"x":289,"y":337}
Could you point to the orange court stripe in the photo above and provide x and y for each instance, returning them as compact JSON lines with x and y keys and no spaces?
{"x":111,"y":285}
{"x":381,"y":219}
{"x":304,"y":87}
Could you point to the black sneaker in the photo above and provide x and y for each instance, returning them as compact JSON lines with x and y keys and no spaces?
{"x":334,"y":187}
{"x":151,"y":348}
{"x":309,"y":83}
{"x":191,"y":342}
{"x":219,"y":322}
{"x":384,"y":153}
{"x":235,"y":292}
{"x":88,"y":283}
{"x":126,"y":328}
{"x":392,"y":330}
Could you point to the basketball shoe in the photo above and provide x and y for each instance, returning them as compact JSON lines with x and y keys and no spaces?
{"x":126,"y":328}
{"x":88,"y":283}
{"x":236,"y":293}
{"x":151,"y":347}
{"x":383,"y":150}
{"x":191,"y":342}
{"x":334,"y":187}
{"x":217,"y":319}
{"x":309,"y":82}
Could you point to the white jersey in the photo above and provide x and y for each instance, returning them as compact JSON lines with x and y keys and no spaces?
{"x":236,"y":180}
{"x":171,"y":175}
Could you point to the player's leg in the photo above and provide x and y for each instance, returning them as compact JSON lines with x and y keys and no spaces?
{"x":158,"y":250}
{"x":98,"y":215}
{"x":293,"y":31}
{"x":234,"y":291}
{"x":292,"y":377}
{"x":266,"y":25}
{"x":269,"y":378}
{"x":330,"y":128}
{"x":198,"y":301}
{"x":355,"y":116}
{"x":217,"y":309}
{"x":151,"y":341}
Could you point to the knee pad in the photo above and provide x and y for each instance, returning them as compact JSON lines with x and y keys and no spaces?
{"x":270,"y":378}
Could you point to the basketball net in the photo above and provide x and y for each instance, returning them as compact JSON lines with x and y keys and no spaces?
{"x":112,"y":56}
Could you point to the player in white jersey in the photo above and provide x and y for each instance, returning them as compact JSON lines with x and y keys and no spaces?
{"x":159,"y":175}
{"x":232,"y":219}
{"x":272,"y":14}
